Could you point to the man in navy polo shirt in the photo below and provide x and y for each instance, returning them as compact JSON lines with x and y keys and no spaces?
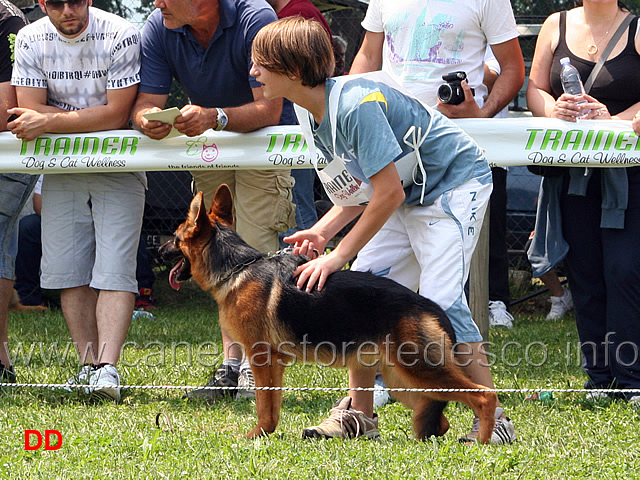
{"x":206,"y":46}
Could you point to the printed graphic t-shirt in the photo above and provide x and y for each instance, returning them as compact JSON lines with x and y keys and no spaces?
{"x":425,"y":39}
{"x":77,"y":72}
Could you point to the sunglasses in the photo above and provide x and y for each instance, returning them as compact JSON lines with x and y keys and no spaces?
{"x":59,"y":6}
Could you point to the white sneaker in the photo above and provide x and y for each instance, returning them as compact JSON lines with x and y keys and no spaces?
{"x":381,"y":396}
{"x":104,"y":382}
{"x":245,"y":382}
{"x":499,"y":316}
{"x":504,"y":431}
{"x":596,"y":396}
{"x":560,"y":305}
{"x":80,"y":378}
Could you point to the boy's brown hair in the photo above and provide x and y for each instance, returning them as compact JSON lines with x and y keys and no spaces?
{"x":295,"y":46}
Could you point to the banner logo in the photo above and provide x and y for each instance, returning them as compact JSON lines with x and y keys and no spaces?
{"x":199,"y":147}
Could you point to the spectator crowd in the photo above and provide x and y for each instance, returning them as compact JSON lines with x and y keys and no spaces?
{"x":243,"y":65}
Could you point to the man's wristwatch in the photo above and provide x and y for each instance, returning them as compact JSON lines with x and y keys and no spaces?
{"x":222,"y":120}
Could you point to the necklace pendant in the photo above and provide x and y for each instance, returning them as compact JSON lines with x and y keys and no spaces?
{"x":592,"y":49}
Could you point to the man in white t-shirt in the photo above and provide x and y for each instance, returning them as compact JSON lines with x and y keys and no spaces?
{"x":77,"y":70}
{"x":418,"y":41}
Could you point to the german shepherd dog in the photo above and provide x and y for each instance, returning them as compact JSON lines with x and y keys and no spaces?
{"x":356,"y":320}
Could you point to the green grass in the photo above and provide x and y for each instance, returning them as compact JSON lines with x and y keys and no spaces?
{"x":566,"y":438}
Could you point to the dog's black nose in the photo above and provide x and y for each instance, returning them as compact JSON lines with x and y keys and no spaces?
{"x":167,"y":249}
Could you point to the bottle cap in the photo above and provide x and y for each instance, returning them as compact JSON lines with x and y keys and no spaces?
{"x":564,"y":60}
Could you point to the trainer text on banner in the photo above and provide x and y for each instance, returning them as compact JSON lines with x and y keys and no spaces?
{"x":507,"y":142}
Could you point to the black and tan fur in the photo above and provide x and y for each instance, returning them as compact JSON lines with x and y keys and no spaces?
{"x":261,"y":307}
{"x":15,"y":305}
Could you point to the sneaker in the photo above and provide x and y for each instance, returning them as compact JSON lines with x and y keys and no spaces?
{"x":503,"y":432}
{"x":499,"y":316}
{"x":7,"y":374}
{"x":104,"y":383}
{"x":381,"y":396}
{"x":345,"y":422}
{"x":560,"y":305}
{"x":595,"y":397}
{"x":144,"y":300}
{"x":225,"y":376}
{"x":595,"y":393}
{"x":80,"y":378}
{"x":245,"y":381}
{"x":634,"y":401}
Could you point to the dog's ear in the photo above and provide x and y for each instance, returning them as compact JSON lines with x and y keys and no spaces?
{"x":222,"y":205}
{"x":197,"y":211}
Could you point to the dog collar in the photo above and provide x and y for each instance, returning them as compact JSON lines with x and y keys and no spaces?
{"x":238,"y":268}
{"x":241,"y":266}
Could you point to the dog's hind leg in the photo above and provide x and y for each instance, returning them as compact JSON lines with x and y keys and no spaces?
{"x":481,"y":402}
{"x":428,"y":417}
{"x":268,"y":402}
{"x":446,"y":378}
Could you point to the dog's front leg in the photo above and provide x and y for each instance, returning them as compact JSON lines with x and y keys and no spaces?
{"x":268,"y":402}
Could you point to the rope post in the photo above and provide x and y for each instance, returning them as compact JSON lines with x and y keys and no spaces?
{"x":479,"y":281}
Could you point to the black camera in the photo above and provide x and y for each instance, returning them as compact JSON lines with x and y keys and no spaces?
{"x":451,"y":92}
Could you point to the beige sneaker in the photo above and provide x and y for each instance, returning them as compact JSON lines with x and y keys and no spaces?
{"x":345,"y":422}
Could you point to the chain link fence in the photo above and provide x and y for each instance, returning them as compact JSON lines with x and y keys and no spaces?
{"x":170,"y":192}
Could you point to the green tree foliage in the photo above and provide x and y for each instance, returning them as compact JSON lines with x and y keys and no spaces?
{"x":118,"y":7}
{"x":145,"y":7}
{"x":526,"y":9}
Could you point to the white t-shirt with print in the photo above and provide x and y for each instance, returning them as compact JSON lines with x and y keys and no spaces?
{"x":425,"y":39}
{"x":77,"y":72}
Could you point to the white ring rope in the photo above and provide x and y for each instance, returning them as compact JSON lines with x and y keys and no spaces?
{"x":333,"y":389}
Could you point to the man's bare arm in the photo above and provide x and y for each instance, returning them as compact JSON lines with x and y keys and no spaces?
{"x":36,"y":117}
{"x":509,"y":81}
{"x":251,"y":116}
{"x":7,"y":101}
{"x":145,"y":103}
{"x":369,"y":57}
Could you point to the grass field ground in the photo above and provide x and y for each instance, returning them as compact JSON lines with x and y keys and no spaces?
{"x":563,"y":438}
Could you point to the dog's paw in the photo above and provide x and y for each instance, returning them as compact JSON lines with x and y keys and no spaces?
{"x":256,"y":432}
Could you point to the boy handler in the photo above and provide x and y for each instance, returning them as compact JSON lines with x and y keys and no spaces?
{"x":420,"y":184}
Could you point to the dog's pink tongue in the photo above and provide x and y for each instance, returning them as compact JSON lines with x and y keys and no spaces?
{"x":175,"y":284}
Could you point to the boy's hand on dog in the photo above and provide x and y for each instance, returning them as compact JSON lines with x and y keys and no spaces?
{"x":315,"y":272}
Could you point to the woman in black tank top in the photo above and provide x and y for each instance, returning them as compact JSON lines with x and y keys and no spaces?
{"x":616,"y":90}
{"x":600,"y":218}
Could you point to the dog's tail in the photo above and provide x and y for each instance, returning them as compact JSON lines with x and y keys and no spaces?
{"x":419,"y":354}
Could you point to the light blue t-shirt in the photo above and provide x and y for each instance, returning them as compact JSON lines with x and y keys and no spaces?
{"x":372,"y":120}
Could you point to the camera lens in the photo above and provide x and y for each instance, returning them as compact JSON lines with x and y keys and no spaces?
{"x":445,"y":92}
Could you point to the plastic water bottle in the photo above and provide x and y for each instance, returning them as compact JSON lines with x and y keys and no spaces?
{"x":142,"y":315}
{"x":545,"y":397}
{"x":571,"y":82}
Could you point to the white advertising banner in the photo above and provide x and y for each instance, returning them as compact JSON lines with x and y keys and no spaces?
{"x":507,"y":142}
